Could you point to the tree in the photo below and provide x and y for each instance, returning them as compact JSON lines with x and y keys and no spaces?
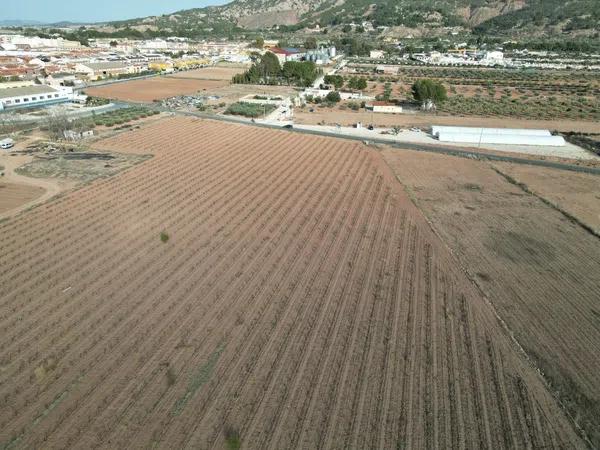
{"x":429,"y":93}
{"x":347,"y":28}
{"x":300,"y":73}
{"x":336,"y":80}
{"x":333,"y":97}
{"x":310,"y":43}
{"x":357,"y":83}
{"x":113,"y":43}
{"x":258,"y":43}
{"x":269,"y":65}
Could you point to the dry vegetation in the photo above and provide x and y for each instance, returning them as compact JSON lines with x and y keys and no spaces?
{"x":525,"y":94}
{"x":537,"y":266}
{"x":300,"y":300}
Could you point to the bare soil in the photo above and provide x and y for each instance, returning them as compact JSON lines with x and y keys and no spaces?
{"x":13,"y":195}
{"x":146,"y":91}
{"x":538,"y":268}
{"x":254,"y":285}
{"x":578,"y":194}
{"x":211,"y":73}
{"x":347,"y":118}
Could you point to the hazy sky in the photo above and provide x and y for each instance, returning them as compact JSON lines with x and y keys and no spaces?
{"x":93,"y":10}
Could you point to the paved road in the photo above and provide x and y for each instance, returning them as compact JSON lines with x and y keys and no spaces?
{"x":440,"y":149}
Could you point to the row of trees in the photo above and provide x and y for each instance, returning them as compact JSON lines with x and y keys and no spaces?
{"x":268,"y":70}
{"x":338,"y":81}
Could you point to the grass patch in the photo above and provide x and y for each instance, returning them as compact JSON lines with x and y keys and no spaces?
{"x":198,"y":378}
{"x":232,"y":438}
{"x":252,"y":110}
{"x":164,"y":237}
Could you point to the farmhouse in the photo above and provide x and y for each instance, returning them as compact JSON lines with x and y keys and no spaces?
{"x":384,"y":107}
{"x":31,"y":96}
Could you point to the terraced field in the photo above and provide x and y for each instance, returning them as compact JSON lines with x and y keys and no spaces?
{"x":297,"y":299}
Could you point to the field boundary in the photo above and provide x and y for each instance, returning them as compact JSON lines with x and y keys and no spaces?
{"x":530,"y":361}
{"x":469,"y":154}
{"x":547,"y":202}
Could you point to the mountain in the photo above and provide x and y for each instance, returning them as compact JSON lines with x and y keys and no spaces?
{"x":19,"y":23}
{"x":497,"y":16}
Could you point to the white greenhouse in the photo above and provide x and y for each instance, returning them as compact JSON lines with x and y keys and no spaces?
{"x":506,"y":136}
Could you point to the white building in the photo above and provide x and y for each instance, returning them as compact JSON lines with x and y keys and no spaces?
{"x":376,"y":54}
{"x":384,"y":107}
{"x":34,"y":96}
{"x":506,"y":136}
{"x":94,"y":70}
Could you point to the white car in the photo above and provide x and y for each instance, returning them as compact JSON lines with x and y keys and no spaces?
{"x":7,"y":143}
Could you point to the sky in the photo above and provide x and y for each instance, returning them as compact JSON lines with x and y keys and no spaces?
{"x":49,"y":11}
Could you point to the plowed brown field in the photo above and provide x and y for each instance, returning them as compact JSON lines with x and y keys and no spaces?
{"x":13,"y":195}
{"x":301,"y":301}
{"x":538,"y":268}
{"x":146,"y":91}
{"x":211,"y":73}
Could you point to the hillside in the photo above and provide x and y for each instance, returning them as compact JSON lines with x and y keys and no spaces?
{"x":532,"y":17}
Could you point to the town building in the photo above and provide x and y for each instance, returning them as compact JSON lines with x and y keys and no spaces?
{"x":33,"y":96}
{"x":104,"y":69}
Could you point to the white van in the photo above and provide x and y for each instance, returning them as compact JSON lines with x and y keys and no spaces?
{"x":7,"y":143}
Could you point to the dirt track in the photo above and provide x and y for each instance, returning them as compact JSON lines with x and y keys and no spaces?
{"x":348,"y":118}
{"x":538,"y":268}
{"x":154,"y":89}
{"x":301,"y":301}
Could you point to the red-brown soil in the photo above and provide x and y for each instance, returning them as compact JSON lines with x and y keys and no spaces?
{"x":211,"y":73}
{"x":537,"y":267}
{"x":146,"y":91}
{"x":13,"y":195}
{"x":301,"y":301}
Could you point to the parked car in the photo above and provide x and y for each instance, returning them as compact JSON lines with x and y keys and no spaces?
{"x":7,"y":143}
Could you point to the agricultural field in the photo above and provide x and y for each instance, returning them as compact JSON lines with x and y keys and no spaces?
{"x":259,"y":288}
{"x":211,"y":73}
{"x":149,"y":90}
{"x":249,"y":109}
{"x":525,"y":94}
{"x":347,"y":117}
{"x":577,"y":194}
{"x":537,"y":265}
{"x":13,"y":195}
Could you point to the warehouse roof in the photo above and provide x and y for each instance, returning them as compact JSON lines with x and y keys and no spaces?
{"x":26,"y":90}
{"x":107,"y":65}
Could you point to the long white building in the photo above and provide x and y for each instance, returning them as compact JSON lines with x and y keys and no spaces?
{"x":33,"y":96}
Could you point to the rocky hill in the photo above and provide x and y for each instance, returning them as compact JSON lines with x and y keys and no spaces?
{"x":497,"y":16}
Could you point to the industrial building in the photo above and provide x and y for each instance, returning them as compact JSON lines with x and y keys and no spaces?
{"x":33,"y":96}
{"x":95,"y":70}
{"x":506,"y":136}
